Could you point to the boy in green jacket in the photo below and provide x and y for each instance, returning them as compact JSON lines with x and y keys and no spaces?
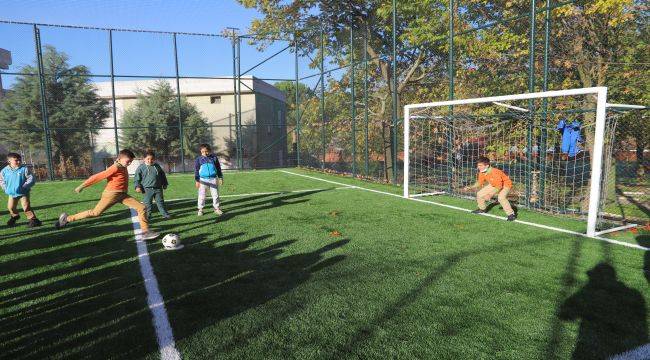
{"x":150,"y":179}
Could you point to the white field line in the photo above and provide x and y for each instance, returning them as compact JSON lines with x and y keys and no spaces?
{"x":267,"y":193}
{"x":616,"y":242}
{"x":429,"y":194}
{"x":640,"y":353}
{"x":164,"y":333}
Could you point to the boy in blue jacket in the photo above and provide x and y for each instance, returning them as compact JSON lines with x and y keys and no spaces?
{"x":16,"y":180}
{"x":150,"y":180}
{"x":207,"y":174}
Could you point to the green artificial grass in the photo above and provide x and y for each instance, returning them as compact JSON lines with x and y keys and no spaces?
{"x":322,"y":273}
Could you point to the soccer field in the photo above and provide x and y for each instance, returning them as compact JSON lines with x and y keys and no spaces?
{"x":307,"y":265}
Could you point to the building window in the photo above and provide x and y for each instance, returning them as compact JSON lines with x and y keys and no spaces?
{"x":215,"y":99}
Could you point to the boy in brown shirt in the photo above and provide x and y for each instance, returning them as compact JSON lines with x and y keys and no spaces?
{"x":114,"y":192}
{"x":498,"y":183}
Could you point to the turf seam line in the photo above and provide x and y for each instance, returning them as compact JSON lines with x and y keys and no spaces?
{"x":611,"y":241}
{"x":155,"y":301}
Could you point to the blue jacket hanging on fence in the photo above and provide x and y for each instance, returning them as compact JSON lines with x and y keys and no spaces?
{"x":16,"y":182}
{"x":570,"y":136}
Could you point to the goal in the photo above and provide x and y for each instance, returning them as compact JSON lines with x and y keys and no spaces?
{"x":556,"y":146}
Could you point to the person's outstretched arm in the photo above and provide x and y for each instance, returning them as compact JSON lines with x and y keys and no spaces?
{"x":97,"y":178}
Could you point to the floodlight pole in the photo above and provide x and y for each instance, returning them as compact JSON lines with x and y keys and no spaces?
{"x":44,"y":115}
{"x":234,"y":93}
{"x":544,"y":135}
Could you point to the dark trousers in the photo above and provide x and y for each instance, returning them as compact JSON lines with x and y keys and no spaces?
{"x":149,"y":195}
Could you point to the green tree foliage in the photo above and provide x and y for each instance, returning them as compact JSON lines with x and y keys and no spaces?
{"x":152,"y":123}
{"x":74,"y":110}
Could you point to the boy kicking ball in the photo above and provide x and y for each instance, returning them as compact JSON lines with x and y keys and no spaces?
{"x":114,"y":192}
{"x":208,"y":175}
{"x":498,"y":183}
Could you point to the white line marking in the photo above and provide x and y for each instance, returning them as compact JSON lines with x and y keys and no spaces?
{"x":634,"y":246}
{"x":429,"y":194}
{"x":640,"y":353}
{"x":164,"y":333}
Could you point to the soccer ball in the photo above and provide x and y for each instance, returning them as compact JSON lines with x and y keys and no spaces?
{"x":172,"y":242}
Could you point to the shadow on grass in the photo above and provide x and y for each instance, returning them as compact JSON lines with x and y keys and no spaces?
{"x":612,"y":316}
{"x":366,"y":332}
{"x":78,"y":292}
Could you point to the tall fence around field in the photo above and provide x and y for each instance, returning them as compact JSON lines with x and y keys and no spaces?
{"x":314,"y":96}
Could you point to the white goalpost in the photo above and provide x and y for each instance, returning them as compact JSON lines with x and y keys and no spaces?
{"x":555,"y":145}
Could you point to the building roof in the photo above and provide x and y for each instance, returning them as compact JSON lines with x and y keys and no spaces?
{"x":125,"y":89}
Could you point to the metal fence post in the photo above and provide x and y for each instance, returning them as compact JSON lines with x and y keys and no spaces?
{"x":365,"y":100}
{"x":394,"y":81}
{"x":353,"y":109}
{"x":450,"y":74}
{"x":322,"y":95}
{"x":544,"y":135}
{"x":110,"y":50}
{"x":531,"y":88}
{"x":44,"y":114}
{"x":178,"y":102}
{"x":297,"y":111}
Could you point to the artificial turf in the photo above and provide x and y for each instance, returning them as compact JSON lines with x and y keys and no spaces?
{"x":323,"y":272}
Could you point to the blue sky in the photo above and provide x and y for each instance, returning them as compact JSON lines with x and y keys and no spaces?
{"x":140,"y":53}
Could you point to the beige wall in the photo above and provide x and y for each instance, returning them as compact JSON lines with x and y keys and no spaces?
{"x":216,"y":114}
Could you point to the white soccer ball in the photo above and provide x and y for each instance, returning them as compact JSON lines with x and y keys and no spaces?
{"x":172,"y":242}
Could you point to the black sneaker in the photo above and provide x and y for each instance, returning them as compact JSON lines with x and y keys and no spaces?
{"x":12,"y":220}
{"x":34,"y":222}
{"x":512,"y":217}
{"x":478,"y":211}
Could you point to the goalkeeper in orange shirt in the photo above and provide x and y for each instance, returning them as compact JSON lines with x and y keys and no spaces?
{"x":497,"y":183}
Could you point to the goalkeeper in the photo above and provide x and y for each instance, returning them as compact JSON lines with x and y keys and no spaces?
{"x":497,"y":183}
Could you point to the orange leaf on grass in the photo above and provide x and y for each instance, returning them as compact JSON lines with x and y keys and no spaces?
{"x":335,"y":233}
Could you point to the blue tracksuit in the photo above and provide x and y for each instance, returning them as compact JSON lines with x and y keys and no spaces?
{"x":207,"y":167}
{"x":570,"y":136}
{"x":16,"y":182}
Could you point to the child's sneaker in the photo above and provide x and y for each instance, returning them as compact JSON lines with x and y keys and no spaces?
{"x":34,"y":222}
{"x":200,"y":212}
{"x":149,"y":235}
{"x":512,"y":217}
{"x":167,"y":217}
{"x":63,"y":221}
{"x":12,"y":220}
{"x":218,"y":211}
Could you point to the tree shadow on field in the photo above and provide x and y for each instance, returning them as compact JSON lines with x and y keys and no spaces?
{"x":612,"y":316}
{"x":644,"y":240}
{"x":210,"y":281}
{"x":75,"y":293}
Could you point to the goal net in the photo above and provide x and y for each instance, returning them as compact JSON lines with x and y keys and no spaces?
{"x":555,"y":146}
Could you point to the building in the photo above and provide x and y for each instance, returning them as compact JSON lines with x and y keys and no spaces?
{"x":263,"y":111}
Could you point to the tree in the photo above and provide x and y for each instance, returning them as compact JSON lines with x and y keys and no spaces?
{"x":304,"y":95}
{"x":74,"y":110}
{"x":152,"y":123}
{"x":372,"y":20}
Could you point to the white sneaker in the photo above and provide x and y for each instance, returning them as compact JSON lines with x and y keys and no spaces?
{"x":149,"y":235}
{"x":218,"y":211}
{"x":200,"y":212}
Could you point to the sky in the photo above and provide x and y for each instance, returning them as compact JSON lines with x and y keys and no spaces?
{"x":136,"y":53}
